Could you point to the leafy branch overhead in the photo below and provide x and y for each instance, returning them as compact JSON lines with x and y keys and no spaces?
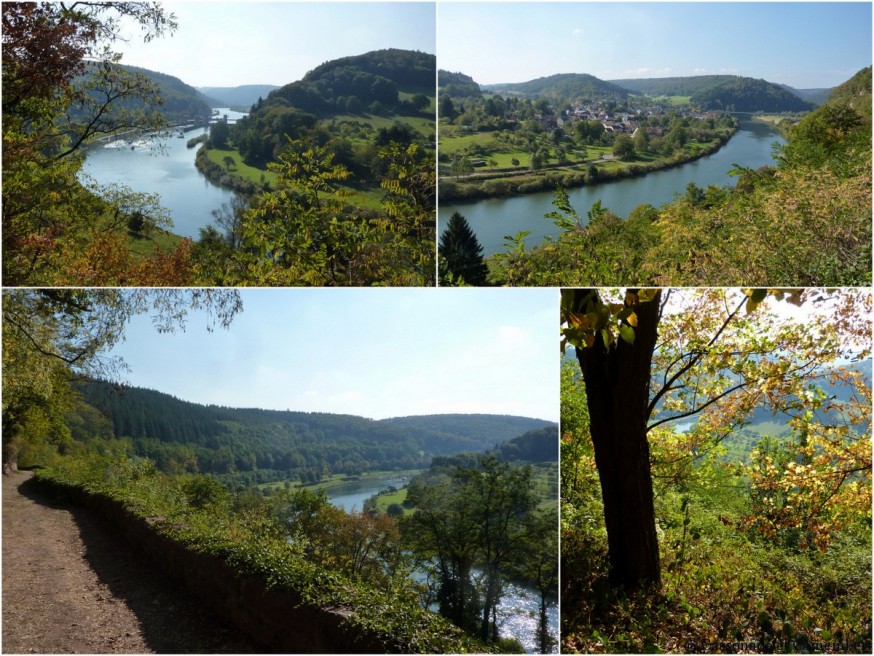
{"x":587,"y":317}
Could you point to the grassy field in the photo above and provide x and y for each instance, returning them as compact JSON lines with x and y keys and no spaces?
{"x":239,"y":167}
{"x":383,"y":501}
{"x":423,"y":125}
{"x":362,"y":196}
{"x":145,"y":247}
{"x":336,"y":480}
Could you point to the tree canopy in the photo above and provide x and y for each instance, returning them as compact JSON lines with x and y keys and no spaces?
{"x":666,"y":379}
{"x":63,"y":87}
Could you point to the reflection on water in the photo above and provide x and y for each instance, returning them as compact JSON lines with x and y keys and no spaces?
{"x":519,"y":609}
{"x":352,"y":495}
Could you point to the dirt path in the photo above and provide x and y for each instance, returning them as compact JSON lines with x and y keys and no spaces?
{"x":70,"y":585}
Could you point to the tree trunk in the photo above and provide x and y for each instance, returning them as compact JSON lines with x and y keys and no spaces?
{"x":617,"y":387}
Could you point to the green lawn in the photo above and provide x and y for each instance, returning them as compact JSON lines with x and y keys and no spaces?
{"x":419,"y":123}
{"x":146,"y":246}
{"x":239,"y":167}
{"x":361,"y":197}
{"x":383,"y":501}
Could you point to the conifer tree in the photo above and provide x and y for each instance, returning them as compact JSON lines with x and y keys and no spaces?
{"x":462,"y":253}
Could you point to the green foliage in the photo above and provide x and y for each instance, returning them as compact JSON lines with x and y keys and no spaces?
{"x":737,"y":545}
{"x":816,"y":205}
{"x":63,"y":88}
{"x":218,"y":134}
{"x":462,"y":253}
{"x":253,"y":543}
{"x":742,"y":94}
{"x":476,"y":514}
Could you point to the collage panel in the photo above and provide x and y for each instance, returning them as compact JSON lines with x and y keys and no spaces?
{"x":716,"y":470}
{"x":651,"y":143}
{"x":199,"y":459}
{"x":280,"y":471}
{"x":219,"y":144}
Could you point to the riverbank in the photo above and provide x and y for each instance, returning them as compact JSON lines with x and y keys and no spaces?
{"x":222,"y":177}
{"x":512,"y":183}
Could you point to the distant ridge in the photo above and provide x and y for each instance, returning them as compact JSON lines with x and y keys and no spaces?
{"x":243,"y":96}
{"x":565,"y":87}
{"x":180,"y":435}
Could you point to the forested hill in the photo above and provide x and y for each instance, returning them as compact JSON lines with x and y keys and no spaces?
{"x":814,"y":96}
{"x":272,"y":444}
{"x":744,"y":94}
{"x":409,"y":69}
{"x":457,"y":85}
{"x":374,"y":77}
{"x":539,"y":445}
{"x":452,"y":433}
{"x":672,"y":86}
{"x":181,"y":102}
{"x":563,"y":87}
{"x":855,"y":92}
{"x":741,"y":94}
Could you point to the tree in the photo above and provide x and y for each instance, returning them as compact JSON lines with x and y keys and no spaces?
{"x":503,"y":498}
{"x":439,"y":533}
{"x":420,"y":102}
{"x":228,"y":162}
{"x":623,"y":147}
{"x":447,"y":109}
{"x":218,"y":134}
{"x":354,"y":105}
{"x":641,"y":141}
{"x":62,"y":87}
{"x":538,"y":563}
{"x":461,"y":165}
{"x":462,"y":252}
{"x":713,"y":354}
{"x":617,"y":378}
{"x":467,"y":516}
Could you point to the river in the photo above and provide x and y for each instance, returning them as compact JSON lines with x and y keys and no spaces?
{"x":492,"y":219}
{"x":351,"y":496}
{"x":520,"y":605}
{"x":164,"y":167}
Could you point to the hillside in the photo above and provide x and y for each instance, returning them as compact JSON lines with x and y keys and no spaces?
{"x":725,"y":92}
{"x":855,"y":92}
{"x":453,"y":433}
{"x":671,"y":86}
{"x":744,"y":94}
{"x":241,"y":97}
{"x":181,"y":102}
{"x":376,"y":76}
{"x":457,"y":85}
{"x":563,"y":87}
{"x":813,"y":96}
{"x":183,"y":436}
{"x":379,"y":90}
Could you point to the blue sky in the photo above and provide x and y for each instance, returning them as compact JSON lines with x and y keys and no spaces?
{"x":233,"y":43}
{"x":369,"y":352}
{"x":805,"y":45}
